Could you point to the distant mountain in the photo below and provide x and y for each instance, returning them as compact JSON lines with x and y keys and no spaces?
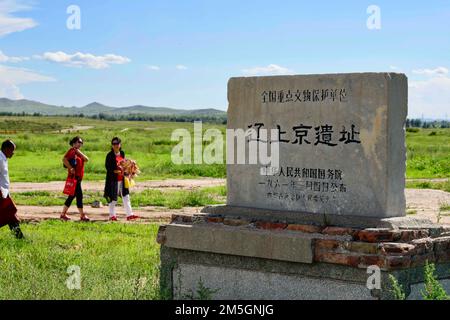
{"x":95,"y":108}
{"x":30,"y":107}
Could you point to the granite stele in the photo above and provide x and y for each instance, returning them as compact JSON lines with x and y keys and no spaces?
{"x":341,"y":143}
{"x":316,"y":203}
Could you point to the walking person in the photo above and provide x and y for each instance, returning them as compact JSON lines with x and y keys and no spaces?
{"x":7,"y":151}
{"x":114,"y":184}
{"x":74,"y":161}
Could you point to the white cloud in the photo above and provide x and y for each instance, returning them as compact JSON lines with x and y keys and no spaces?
{"x":271,"y":69}
{"x":84,"y":59}
{"x":153,"y":68}
{"x":4,"y":58}
{"x":431,"y":72}
{"x":11,"y":77}
{"x":395,"y":68}
{"x":10,"y":23}
{"x":430,"y":97}
{"x":181,"y":67}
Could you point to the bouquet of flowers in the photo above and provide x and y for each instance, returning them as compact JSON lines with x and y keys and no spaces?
{"x":130,"y":170}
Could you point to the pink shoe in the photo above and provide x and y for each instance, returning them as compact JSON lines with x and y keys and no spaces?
{"x":113,"y":218}
{"x":133,"y":217}
{"x":85,"y":219}
{"x":64,"y":217}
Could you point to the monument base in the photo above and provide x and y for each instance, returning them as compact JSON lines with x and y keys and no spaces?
{"x":226,"y":257}
{"x":320,"y":219}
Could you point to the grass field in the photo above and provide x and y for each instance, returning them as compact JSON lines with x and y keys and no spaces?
{"x":428,"y":153}
{"x":42,"y":143}
{"x":172,"y":199}
{"x":116,"y":261}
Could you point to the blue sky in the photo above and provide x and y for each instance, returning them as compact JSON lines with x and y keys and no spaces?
{"x":182,"y":53}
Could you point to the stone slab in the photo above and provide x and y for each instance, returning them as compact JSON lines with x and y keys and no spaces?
{"x":322,"y":219}
{"x":285,"y":246}
{"x":307,"y":279}
{"x":326,"y":166}
{"x":238,"y":284}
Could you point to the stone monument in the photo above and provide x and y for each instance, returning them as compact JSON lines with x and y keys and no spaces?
{"x":328,"y":205}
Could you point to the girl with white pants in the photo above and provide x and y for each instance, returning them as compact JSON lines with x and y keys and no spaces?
{"x":126,"y":204}
{"x":114,"y":185}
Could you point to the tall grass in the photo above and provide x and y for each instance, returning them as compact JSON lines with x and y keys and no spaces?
{"x":116,"y":261}
{"x":39,"y":153}
{"x":428,"y":156}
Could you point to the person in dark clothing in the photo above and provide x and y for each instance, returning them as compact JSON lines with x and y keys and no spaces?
{"x":7,"y":152}
{"x":114,"y":184}
{"x":74,"y":160}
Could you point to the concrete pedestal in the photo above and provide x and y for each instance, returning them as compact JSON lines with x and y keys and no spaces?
{"x":221,"y":257}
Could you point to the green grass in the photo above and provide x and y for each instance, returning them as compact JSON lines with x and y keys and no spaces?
{"x":116,"y":261}
{"x":428,"y":153}
{"x":40,"y":150}
{"x":445,"y":185}
{"x":42,"y":144}
{"x":173,"y":199}
{"x":444,"y":207}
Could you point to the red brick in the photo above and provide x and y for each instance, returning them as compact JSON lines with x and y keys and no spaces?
{"x":337,"y":258}
{"x":372,"y":260}
{"x":423,"y":246}
{"x":441,"y":244}
{"x":271,"y":225}
{"x":181,"y":218}
{"x":394,"y":248}
{"x":337,"y":231}
{"x":235,"y":222}
{"x":329,"y":244}
{"x":378,"y":235}
{"x":215,"y":219}
{"x":306,"y":228}
{"x":398,"y":262}
{"x":409,"y":235}
{"x":363,"y":247}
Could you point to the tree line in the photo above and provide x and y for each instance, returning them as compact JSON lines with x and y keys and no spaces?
{"x":219,"y":119}
{"x":426,"y":124}
{"x":131,"y":117}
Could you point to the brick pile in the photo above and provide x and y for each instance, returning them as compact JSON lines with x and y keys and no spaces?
{"x":359,"y":248}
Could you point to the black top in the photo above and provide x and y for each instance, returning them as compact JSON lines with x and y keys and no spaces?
{"x":111,"y":186}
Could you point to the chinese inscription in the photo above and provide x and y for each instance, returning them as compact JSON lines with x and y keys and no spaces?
{"x":303,"y":184}
{"x":307,"y":134}
{"x":304,"y":95}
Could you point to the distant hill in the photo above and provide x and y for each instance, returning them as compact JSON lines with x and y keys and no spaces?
{"x":95,"y":108}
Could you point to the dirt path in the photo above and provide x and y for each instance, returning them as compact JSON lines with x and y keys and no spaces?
{"x":424,"y":203}
{"x":427,"y":203}
{"x":58,"y":186}
{"x":75,"y":128}
{"x":147,"y":214}
{"x":428,"y":180}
